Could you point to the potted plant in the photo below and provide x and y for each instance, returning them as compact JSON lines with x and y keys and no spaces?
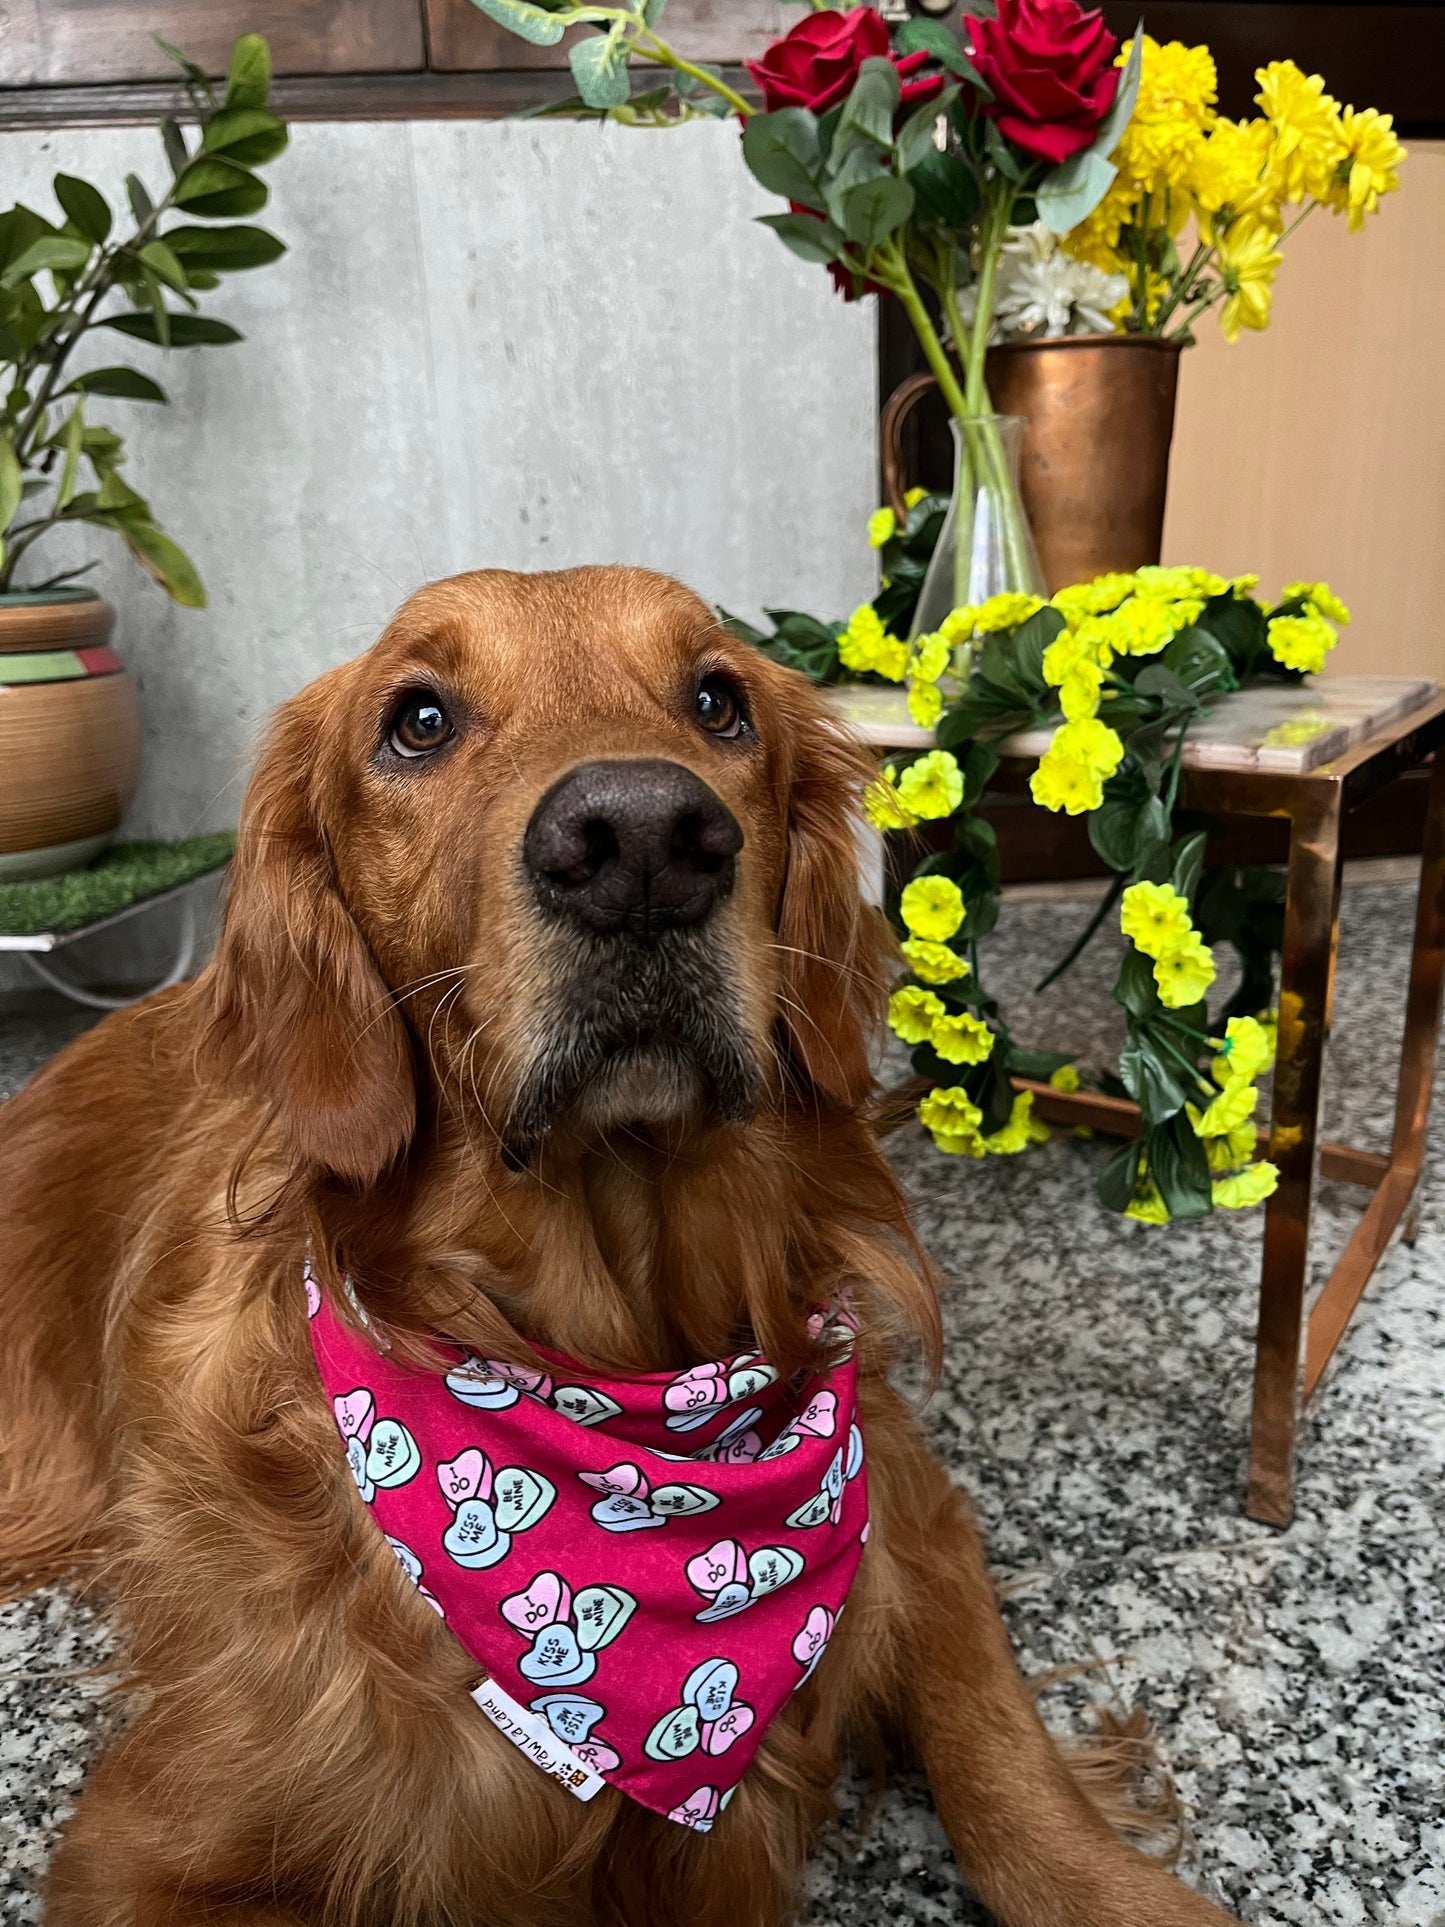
{"x":69,"y":721}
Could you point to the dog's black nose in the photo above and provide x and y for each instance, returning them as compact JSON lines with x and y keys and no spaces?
{"x":639,"y":847}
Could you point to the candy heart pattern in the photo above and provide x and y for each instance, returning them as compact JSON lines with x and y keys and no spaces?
{"x":645,"y":1567}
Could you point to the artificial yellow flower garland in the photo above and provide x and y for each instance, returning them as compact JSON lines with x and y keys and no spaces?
{"x":1098,"y":631}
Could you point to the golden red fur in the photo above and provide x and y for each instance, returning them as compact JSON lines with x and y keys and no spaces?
{"x":303,"y":1749}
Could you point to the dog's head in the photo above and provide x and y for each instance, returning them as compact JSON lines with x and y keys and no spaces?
{"x":557,"y":850}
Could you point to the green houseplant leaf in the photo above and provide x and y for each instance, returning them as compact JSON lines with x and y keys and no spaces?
{"x":126,"y":384}
{"x":248,"y":81}
{"x":166,"y":561}
{"x":61,"y":251}
{"x":217,"y":189}
{"x":85,"y":207}
{"x":224,"y":250}
{"x":186,"y":330}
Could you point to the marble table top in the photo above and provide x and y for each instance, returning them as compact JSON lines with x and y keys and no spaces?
{"x":1289,"y":727}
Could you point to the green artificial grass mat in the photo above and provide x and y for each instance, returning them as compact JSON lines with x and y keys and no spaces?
{"x":124,"y":874}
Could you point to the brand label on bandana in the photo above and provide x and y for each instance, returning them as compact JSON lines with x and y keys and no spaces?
{"x":646,"y":1566}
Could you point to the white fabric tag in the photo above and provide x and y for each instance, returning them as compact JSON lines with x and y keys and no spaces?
{"x":537,"y":1740}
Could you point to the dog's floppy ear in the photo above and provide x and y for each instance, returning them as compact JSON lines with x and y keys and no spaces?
{"x":298,"y":1008}
{"x":835,"y":948}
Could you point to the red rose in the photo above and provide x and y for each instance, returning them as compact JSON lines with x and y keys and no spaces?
{"x":815,"y":64}
{"x":1051,"y":68}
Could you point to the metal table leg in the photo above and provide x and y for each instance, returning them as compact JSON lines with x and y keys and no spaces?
{"x":97,"y":1000}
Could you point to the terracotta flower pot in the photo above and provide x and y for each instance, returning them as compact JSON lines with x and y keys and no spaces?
{"x":70,"y":737}
{"x":1099,"y":411}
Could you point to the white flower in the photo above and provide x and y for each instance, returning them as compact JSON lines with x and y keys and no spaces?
{"x":1042,"y":293}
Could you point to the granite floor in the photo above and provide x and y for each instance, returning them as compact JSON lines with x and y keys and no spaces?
{"x":1095,"y":1403}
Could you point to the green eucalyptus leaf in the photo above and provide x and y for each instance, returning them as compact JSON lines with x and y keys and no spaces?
{"x":872,"y":103}
{"x":12,"y":483}
{"x":247,"y":135}
{"x":1071,"y":191}
{"x":875,"y":209}
{"x":167,"y":562}
{"x":127,"y":384}
{"x":808,"y":236}
{"x":915,"y":137}
{"x":216,"y":189}
{"x":528,"y":22}
{"x":781,"y":151}
{"x":652,"y":11}
{"x":86,"y":208}
{"x":223,"y":249}
{"x":55,"y":251}
{"x":186,"y":330}
{"x":248,"y":80}
{"x":599,"y":66}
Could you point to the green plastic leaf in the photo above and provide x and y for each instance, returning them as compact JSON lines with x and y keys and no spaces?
{"x":1200,"y":662}
{"x":946,"y":189}
{"x":167,"y":562}
{"x":1119,"y":1179}
{"x":781,"y":151}
{"x":85,"y":207}
{"x":126,"y":384}
{"x":248,"y":80}
{"x":933,"y":38}
{"x":1122,"y":828}
{"x":1071,"y":191}
{"x":875,"y":209}
{"x":161,"y":262}
{"x":807,"y":235}
{"x":872,"y":104}
{"x":1189,"y":864}
{"x":247,"y":135}
{"x":61,"y":251}
{"x":1152,"y":1079}
{"x":599,"y":66}
{"x":1179,"y":1166}
{"x":12,"y":483}
{"x":216,"y":189}
{"x":186,"y":330}
{"x":224,"y":249}
{"x":528,"y":22}
{"x":1136,"y":989}
{"x":915,"y":137}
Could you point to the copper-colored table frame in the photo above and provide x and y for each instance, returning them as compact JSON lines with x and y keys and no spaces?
{"x":1292,"y":1350}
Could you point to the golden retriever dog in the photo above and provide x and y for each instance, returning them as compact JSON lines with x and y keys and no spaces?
{"x":541,"y":1011}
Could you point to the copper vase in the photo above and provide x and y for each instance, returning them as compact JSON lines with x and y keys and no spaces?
{"x":1100,"y":418}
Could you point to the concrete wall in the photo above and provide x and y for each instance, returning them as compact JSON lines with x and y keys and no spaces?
{"x":523,"y":345}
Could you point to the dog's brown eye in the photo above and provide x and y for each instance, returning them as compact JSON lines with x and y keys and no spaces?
{"x":419,"y":725}
{"x":719,"y":708}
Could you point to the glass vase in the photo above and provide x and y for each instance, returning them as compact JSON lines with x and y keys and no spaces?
{"x":985,"y":546}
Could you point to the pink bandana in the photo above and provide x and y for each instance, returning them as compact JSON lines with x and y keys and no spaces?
{"x":647,"y":1567}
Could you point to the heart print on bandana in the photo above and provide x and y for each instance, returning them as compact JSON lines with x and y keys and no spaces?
{"x":488,"y":1507}
{"x":566,"y":1631}
{"x":629,"y":1503}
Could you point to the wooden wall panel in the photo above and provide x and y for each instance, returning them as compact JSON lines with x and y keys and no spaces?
{"x":1318,"y":447}
{"x":462,"y":38}
{"x":47,"y":43}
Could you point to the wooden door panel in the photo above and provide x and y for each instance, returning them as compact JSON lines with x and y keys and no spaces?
{"x":49,"y":43}
{"x":463,"y":39}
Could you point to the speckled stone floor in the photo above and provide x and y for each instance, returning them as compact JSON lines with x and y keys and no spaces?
{"x":1095,"y":1403}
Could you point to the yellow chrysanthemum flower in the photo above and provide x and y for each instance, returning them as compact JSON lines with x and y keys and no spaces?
{"x":912,"y":1013}
{"x":931,"y":656}
{"x":882,"y":527}
{"x":1022,"y":1129}
{"x":1005,"y":611}
{"x":931,"y":907}
{"x":1248,"y":262}
{"x":1301,"y":642}
{"x":913,"y":497}
{"x":1065,"y":1078}
{"x":949,"y":1108}
{"x":891,"y":660}
{"x":962,"y":1039}
{"x":1231,"y":173}
{"x":1144,"y":625}
{"x":1309,"y":134}
{"x":1369,"y":167}
{"x":1182,"y":976}
{"x":1079,"y":692}
{"x":1321,"y":598}
{"x":1147,"y":1207}
{"x":861,"y":641}
{"x":884,"y":807}
{"x":1174,"y":583}
{"x":925,"y":703}
{"x":1091,"y":743}
{"x":933,"y":786}
{"x":1155,"y":918}
{"x":1177,"y":90}
{"x":1094,"y":598}
{"x":1234,"y":1104}
{"x":1096,"y":238}
{"x":935,"y":963}
{"x":1250,"y":1186}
